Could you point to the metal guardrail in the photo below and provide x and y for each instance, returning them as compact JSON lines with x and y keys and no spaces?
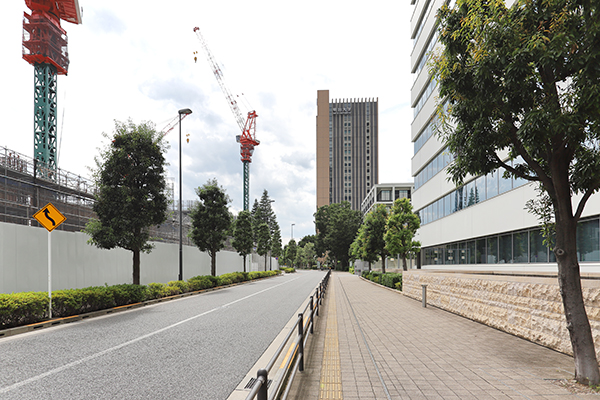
{"x":280,"y":387}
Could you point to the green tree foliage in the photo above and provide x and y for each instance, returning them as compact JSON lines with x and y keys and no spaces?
{"x":525,"y":81}
{"x":211,"y":221}
{"x":130,"y":178}
{"x":309,"y":254}
{"x":290,"y":252}
{"x":276,"y":250}
{"x":358,"y":248}
{"x":337,"y":225}
{"x":307,"y":239}
{"x":300,"y":259}
{"x":374,"y":230}
{"x":263,"y":241}
{"x":242,"y":235}
{"x":402,"y":224}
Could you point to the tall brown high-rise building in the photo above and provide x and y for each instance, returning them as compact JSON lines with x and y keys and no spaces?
{"x":347,"y":149}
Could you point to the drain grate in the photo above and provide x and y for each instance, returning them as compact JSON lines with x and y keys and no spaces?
{"x":251,"y":383}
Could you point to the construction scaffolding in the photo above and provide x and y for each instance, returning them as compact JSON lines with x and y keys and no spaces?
{"x":24,"y":190}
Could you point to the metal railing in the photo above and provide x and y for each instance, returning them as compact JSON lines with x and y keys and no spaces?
{"x":280,"y":386}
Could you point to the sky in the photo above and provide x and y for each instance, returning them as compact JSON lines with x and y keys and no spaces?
{"x":135,"y":60}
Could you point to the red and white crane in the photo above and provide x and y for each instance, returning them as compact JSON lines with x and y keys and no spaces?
{"x":247,"y":139}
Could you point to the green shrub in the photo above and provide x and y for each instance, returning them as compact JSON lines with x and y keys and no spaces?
{"x":170,"y":290}
{"x":351,"y":270}
{"x":365,"y":274}
{"x":224,"y":280}
{"x":200,"y":283}
{"x":181,"y":285}
{"x":390,"y":279}
{"x":234,"y":277}
{"x":399,"y":285}
{"x":128,"y":294}
{"x":22,"y":308}
{"x":154,"y":290}
{"x":288,"y":270}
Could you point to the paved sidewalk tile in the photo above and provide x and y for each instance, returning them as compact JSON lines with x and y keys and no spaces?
{"x":390,"y":347}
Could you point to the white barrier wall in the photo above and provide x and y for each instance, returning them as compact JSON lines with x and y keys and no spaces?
{"x":76,"y":264}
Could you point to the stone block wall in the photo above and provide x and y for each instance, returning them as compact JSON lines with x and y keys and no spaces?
{"x":528,"y":306}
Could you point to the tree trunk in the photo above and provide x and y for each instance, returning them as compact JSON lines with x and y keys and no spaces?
{"x":569,"y":279}
{"x":213,"y":263}
{"x":404,"y":266}
{"x":136,"y":267}
{"x":244,"y":263}
{"x":383,"y":264}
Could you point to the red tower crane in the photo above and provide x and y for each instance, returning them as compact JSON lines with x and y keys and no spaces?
{"x":45,"y":47}
{"x":247,"y":139}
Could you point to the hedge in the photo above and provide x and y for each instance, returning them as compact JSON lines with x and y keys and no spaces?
{"x":389,"y":279}
{"x":25,"y":308}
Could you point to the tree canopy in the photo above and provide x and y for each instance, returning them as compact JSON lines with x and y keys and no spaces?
{"x":242,"y":235}
{"x":337,"y":225}
{"x":131,"y":196}
{"x":211,"y":220}
{"x":401,"y":226}
{"x":519,"y":89}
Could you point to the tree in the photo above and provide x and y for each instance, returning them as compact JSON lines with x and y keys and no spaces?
{"x":402,"y":224}
{"x":309,"y":254}
{"x":290,"y":253}
{"x":358,"y":248}
{"x":263,"y":241}
{"x":131,"y":196}
{"x":242,"y":235}
{"x":307,"y":239}
{"x":336,"y":226}
{"x":524,"y":82}
{"x":276,"y":250}
{"x":210,"y":221}
{"x":300,"y":260}
{"x":374,"y":230}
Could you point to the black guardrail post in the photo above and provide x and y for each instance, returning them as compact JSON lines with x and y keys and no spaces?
{"x":312,"y":316}
{"x":262,"y":392}
{"x":317,"y":302}
{"x":301,"y":342}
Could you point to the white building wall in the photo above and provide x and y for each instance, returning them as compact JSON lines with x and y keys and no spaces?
{"x":503,"y":213}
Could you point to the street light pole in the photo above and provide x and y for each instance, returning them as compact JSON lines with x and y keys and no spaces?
{"x":293,"y":231}
{"x":181,"y":112}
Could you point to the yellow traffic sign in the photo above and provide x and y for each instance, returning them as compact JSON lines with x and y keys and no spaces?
{"x":49,"y":217}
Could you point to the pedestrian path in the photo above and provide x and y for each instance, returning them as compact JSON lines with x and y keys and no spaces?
{"x":374,"y":343}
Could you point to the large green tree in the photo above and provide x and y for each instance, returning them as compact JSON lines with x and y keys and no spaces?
{"x":211,"y":220}
{"x":242,"y":235}
{"x":131,"y":196}
{"x":402,"y":224}
{"x":290,"y":252}
{"x":374,"y":224}
{"x":522,"y":86}
{"x":337,"y":225}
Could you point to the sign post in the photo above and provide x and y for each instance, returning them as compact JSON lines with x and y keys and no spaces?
{"x":50,"y":218}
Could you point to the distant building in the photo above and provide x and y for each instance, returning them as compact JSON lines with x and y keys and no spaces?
{"x":347,"y":149}
{"x":385,"y":193}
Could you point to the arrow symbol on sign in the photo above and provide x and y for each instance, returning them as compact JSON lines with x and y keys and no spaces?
{"x":47,"y":214}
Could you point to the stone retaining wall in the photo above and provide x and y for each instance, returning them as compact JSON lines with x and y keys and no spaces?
{"x":523,"y":305}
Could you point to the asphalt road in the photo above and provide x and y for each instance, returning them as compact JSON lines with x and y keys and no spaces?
{"x":197,"y":347}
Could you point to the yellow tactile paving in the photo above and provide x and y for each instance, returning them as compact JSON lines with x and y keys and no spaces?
{"x":331,"y":374}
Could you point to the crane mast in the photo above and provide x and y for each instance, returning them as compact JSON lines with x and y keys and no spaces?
{"x":247,"y":139}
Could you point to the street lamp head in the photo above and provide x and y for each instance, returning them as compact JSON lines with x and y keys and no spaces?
{"x":185,"y":111}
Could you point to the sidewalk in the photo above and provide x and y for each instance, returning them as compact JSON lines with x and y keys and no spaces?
{"x":374,"y":343}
